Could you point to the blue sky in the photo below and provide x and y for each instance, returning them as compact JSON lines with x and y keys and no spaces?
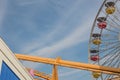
{"x":49,"y":28}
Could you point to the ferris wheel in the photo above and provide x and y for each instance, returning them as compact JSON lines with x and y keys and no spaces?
{"x":104,"y":43}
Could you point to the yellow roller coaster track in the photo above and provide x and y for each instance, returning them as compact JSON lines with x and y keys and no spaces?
{"x":77,"y":65}
{"x":41,"y":74}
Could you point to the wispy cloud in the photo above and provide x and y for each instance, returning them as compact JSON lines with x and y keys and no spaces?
{"x":79,"y":35}
{"x":58,"y":27}
{"x":68,"y":73}
{"x":3,"y":6}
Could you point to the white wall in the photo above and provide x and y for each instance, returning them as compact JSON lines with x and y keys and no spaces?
{"x":9,"y":58}
{"x":0,"y":64}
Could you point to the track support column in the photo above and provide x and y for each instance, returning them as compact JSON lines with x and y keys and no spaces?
{"x":54,"y":73}
{"x":55,"y":69}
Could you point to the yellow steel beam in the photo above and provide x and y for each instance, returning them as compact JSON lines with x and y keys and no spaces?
{"x":46,"y":77}
{"x":54,"y":73}
{"x":70,"y":64}
{"x":41,"y":74}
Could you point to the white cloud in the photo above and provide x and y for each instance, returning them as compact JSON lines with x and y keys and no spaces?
{"x":79,"y":35}
{"x":59,"y":25}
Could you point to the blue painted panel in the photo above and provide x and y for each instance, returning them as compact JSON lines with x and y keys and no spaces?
{"x":7,"y":73}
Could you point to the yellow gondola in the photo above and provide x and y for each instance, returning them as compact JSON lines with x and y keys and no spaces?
{"x":110,"y":10}
{"x":96,"y":41}
{"x":96,"y":74}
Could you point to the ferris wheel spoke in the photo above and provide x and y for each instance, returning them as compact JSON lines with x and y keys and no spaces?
{"x":110,"y":39}
{"x":117,"y":24}
{"x":108,"y":77}
{"x":118,"y":64}
{"x":106,"y":50}
{"x":110,"y":48}
{"x":108,"y":61}
{"x":110,"y":53}
{"x":108,"y":35}
{"x":106,"y":43}
{"x":108,"y":58}
{"x":110,"y":42}
{"x":117,"y":19}
{"x":113,"y":62}
{"x":103,"y":50}
{"x":111,"y":31}
{"x":111,"y":24}
{"x":118,"y":9}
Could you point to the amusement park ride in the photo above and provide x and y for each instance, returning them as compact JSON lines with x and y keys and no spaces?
{"x":104,"y":48}
{"x":77,"y":65}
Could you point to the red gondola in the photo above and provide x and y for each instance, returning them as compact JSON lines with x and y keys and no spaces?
{"x":94,"y":57}
{"x":102,"y":25}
